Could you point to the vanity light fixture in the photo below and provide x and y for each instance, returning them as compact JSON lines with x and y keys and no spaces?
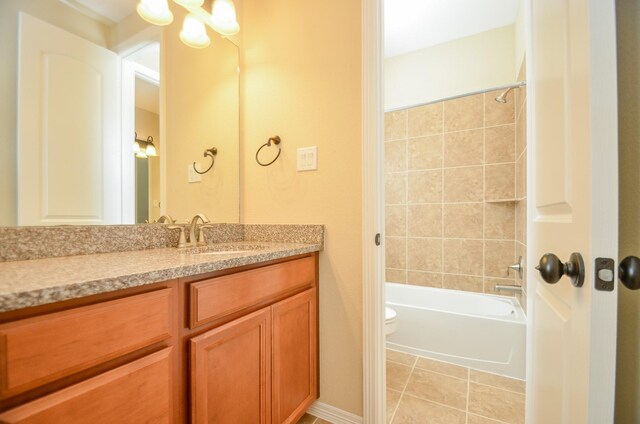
{"x":143,"y":148}
{"x":222,"y":19}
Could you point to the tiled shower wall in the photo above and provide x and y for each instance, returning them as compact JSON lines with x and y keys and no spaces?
{"x":450,"y":178}
{"x":521,"y":179}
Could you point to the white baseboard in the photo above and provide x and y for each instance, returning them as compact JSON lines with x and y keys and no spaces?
{"x":333,"y":414}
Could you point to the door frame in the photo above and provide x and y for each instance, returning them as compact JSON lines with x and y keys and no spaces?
{"x":374,"y":382}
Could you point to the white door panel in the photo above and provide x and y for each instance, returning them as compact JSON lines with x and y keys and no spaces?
{"x":69,"y":148}
{"x":572,"y":336}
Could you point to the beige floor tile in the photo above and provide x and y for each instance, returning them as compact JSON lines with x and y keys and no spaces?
{"x":397,"y":376}
{"x":498,"y":381}
{"x":321,"y":421}
{"x":495,"y":403}
{"x":477,"y":419}
{"x":401,"y":357}
{"x":419,"y":411}
{"x":307,"y":419}
{"x":442,"y":368}
{"x":440,"y":388}
{"x":393,"y":399}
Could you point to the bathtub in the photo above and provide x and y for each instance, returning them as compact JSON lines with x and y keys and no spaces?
{"x":479,"y":331}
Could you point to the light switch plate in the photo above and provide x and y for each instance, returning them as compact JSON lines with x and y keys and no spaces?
{"x":192,"y":175}
{"x":308,"y":158}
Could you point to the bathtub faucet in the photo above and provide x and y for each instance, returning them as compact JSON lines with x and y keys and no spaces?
{"x":508,"y":288}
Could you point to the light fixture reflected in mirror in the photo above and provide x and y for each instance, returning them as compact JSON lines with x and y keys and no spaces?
{"x":193,"y":33}
{"x":222,"y":19}
{"x":155,"y":11}
{"x":142,"y":148}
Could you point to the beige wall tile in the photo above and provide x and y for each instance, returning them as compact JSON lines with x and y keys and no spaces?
{"x":464,"y":148}
{"x":498,"y":381}
{"x":499,"y":181}
{"x":395,"y":156}
{"x":463,"y":184}
{"x":462,"y":282}
{"x":442,"y":368}
{"x":397,"y":376}
{"x":498,"y":255}
{"x":426,"y":279}
{"x":499,"y":221}
{"x":396,"y":252}
{"x":521,"y":221}
{"x":463,"y":256}
{"x":521,"y":134}
{"x":425,"y":186}
{"x":425,"y":152}
{"x":412,"y":410}
{"x":393,"y":399}
{"x":464,"y":113}
{"x":499,"y":113}
{"x":425,"y":120}
{"x":463,"y":220}
{"x":395,"y":189}
{"x":395,"y":220}
{"x":446,"y":390}
{"x":424,"y":254}
{"x":491,"y":282}
{"x":395,"y":125}
{"x":496,"y":403}
{"x":401,"y":357}
{"x":500,"y":144}
{"x":424,"y":220}
{"x":521,"y":176}
{"x":393,"y":275}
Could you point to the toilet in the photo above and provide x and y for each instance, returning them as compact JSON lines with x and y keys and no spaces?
{"x":390,"y":321}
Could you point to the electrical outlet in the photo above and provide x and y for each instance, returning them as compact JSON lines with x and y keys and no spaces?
{"x":192,"y":175}
{"x":308,"y":158}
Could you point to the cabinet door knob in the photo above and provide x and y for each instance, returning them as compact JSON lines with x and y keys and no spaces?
{"x":629,"y":272}
{"x":552,"y":269}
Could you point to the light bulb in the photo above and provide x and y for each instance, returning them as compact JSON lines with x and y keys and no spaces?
{"x":141,"y":155}
{"x":193,"y":33}
{"x":136,"y":147}
{"x":189,"y":3}
{"x":223,"y":17}
{"x":151,"y":150}
{"x":155,"y":11}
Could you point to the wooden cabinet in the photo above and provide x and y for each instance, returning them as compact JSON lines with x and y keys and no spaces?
{"x":232,"y":346}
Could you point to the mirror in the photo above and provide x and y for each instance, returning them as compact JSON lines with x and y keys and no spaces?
{"x":68,"y":126}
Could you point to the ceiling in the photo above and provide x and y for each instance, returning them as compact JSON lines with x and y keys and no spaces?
{"x":416,"y":24}
{"x":112,"y":11}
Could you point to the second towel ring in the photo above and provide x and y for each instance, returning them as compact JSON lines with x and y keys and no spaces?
{"x":276,"y":140}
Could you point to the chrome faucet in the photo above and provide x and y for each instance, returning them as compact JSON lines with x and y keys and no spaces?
{"x":192,"y":229}
{"x":508,"y":288}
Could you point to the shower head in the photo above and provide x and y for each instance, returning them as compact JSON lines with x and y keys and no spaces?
{"x":502,"y":98}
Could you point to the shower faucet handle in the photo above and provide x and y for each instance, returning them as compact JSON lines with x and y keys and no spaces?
{"x":517,"y":267}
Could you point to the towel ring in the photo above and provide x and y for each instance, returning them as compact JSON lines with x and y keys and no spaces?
{"x":276,"y":140}
{"x":212,"y":152}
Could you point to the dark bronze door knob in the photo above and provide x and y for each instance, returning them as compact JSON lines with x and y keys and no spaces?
{"x":552,"y":269}
{"x":629,"y":272}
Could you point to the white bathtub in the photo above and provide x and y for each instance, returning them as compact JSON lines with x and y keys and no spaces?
{"x":478,"y":331}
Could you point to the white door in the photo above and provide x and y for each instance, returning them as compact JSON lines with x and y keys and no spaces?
{"x":573,"y":208}
{"x":69,"y":148}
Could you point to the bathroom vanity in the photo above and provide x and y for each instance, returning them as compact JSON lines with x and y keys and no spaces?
{"x":231,"y":338}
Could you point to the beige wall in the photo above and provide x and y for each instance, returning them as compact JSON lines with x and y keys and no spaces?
{"x":56,"y":13}
{"x":148,"y":124}
{"x":450,"y":171}
{"x":458,"y":67}
{"x":301,"y":79}
{"x":520,"y":39}
{"x":628,"y":375}
{"x":199,"y":94}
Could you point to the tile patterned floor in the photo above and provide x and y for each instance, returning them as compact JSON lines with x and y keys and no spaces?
{"x":421,"y":390}
{"x":310,"y":419}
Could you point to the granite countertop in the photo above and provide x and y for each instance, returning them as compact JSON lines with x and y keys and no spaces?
{"x":40,"y":281}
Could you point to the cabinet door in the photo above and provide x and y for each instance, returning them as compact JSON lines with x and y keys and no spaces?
{"x":138,"y":392}
{"x":295,"y":356}
{"x":230,"y":372}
